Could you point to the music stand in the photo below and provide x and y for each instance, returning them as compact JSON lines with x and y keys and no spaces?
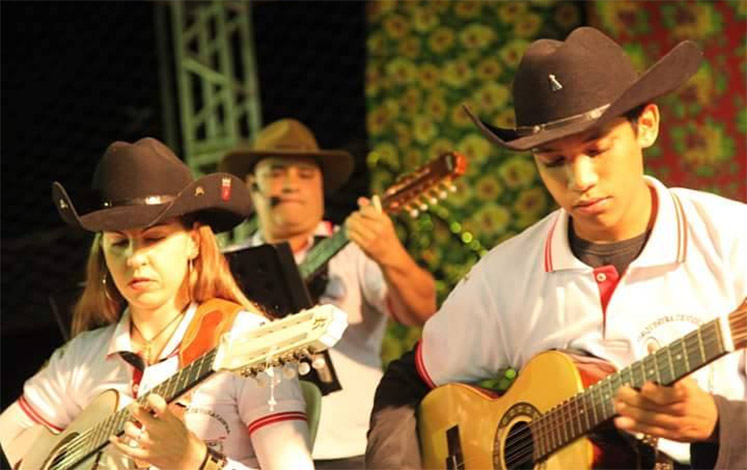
{"x":268,"y":275}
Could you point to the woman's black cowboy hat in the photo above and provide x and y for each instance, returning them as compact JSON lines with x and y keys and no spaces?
{"x":565,"y":87}
{"x":289,"y":138}
{"x":143,"y":183}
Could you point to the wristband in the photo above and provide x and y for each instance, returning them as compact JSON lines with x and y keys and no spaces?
{"x":214,"y":460}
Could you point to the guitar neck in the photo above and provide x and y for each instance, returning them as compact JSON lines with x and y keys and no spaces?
{"x":409,"y":192}
{"x":321,"y":253}
{"x":580,"y":414}
{"x":96,"y":437}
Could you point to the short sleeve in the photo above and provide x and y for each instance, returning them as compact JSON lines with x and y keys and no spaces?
{"x":463,"y":342}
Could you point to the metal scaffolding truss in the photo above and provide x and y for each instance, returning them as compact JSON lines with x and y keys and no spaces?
{"x":215,"y":75}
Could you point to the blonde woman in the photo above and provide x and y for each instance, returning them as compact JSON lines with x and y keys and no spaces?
{"x":153,"y":267}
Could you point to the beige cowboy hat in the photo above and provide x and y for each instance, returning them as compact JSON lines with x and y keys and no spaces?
{"x":289,"y":137}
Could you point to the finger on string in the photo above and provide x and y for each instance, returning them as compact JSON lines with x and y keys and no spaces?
{"x":156,"y":404}
{"x":654,"y":418}
{"x":128,"y":447}
{"x":132,"y":430}
{"x":356,"y":237}
{"x":361,"y":234}
{"x":661,"y":395}
{"x":632,"y":426}
{"x":141,"y":414}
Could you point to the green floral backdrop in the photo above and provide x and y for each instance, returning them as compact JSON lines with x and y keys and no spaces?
{"x":426,"y":58}
{"x":703,"y":138}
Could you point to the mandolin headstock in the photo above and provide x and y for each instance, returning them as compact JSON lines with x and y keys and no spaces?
{"x":414,"y":191}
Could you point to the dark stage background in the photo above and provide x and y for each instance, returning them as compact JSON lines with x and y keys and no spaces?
{"x":77,"y":76}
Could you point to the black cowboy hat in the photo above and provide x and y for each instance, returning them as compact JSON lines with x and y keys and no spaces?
{"x":566,"y":87}
{"x":141,"y":184}
{"x":289,"y":138}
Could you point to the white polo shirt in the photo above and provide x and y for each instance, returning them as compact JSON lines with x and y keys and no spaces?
{"x":530,"y":294}
{"x":225,"y":411}
{"x":357,"y":286}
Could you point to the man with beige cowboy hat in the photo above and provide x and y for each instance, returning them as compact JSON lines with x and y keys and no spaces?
{"x":372,"y":279}
{"x":624,"y":267}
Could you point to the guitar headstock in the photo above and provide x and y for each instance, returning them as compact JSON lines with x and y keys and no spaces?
{"x":738,"y":325}
{"x":414,"y":191}
{"x":282,"y":341}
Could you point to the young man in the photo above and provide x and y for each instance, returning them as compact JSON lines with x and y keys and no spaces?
{"x":623,"y":267}
{"x":371,"y":279}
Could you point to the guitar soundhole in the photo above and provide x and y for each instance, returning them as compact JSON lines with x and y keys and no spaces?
{"x":519,"y":447}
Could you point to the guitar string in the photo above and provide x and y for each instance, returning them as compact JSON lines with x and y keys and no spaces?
{"x":520,"y":453}
{"x":706,"y":339}
{"x":525,"y":446}
{"x":74,"y":451}
{"x":711,"y":336}
{"x":79,"y":447}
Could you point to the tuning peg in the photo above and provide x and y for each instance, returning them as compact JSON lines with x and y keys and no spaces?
{"x":289,"y":371}
{"x":423,"y":206}
{"x":452,"y":188}
{"x":318,"y":363}
{"x":304,"y":368}
{"x":414,"y":213}
{"x":433,"y":200}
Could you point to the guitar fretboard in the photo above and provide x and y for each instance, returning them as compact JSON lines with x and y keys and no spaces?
{"x":578,"y":415}
{"x":321,"y":253}
{"x":96,"y":437}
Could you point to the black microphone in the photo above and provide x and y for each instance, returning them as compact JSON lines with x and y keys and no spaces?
{"x":272,"y":200}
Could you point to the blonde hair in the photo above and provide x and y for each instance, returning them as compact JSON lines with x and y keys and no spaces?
{"x":101,"y":302}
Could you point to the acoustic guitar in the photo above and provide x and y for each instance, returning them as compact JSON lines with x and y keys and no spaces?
{"x":545,"y":419}
{"x":247,"y":353}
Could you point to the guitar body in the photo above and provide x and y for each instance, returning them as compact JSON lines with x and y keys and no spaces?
{"x":39,"y":447}
{"x":558,"y":414}
{"x":462,"y":426}
{"x":247,"y":353}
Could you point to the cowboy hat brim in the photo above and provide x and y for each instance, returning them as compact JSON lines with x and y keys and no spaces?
{"x":220,"y":200}
{"x":337,"y":165}
{"x":667,"y":74}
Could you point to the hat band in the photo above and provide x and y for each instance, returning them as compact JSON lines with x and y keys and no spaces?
{"x":583,"y":117}
{"x":139,"y":201}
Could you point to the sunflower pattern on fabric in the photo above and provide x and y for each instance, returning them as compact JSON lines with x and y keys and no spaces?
{"x":702,"y":142}
{"x":426,"y":58}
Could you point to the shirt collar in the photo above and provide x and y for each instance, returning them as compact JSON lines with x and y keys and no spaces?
{"x":667,"y":243}
{"x":121,"y":341}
